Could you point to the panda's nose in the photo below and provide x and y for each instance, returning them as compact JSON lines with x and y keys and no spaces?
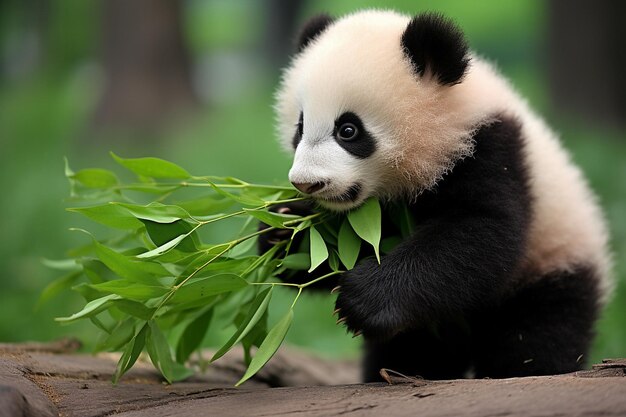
{"x":309,"y":187}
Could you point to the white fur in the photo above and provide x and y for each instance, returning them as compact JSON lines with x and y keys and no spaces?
{"x":422,"y":129}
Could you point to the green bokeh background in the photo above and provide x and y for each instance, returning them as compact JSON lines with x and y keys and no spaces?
{"x":46,"y":114}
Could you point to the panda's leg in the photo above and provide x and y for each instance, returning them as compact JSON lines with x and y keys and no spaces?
{"x":545,"y":328}
{"x":432,"y":354}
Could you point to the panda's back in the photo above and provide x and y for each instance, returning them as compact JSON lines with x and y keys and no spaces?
{"x":567,"y":228}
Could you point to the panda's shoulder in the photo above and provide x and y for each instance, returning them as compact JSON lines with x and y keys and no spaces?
{"x":496,"y":173}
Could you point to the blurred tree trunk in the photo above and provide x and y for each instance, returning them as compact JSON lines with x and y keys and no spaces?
{"x":146,"y":64}
{"x":587,"y":52}
{"x":281,"y":30}
{"x":27,"y":24}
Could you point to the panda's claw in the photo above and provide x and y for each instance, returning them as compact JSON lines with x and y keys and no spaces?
{"x":357,"y":334}
{"x":337,"y":310}
{"x":342,"y":320}
{"x":336,"y":289}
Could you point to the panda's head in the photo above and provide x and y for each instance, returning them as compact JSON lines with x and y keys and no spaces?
{"x":368,"y":105}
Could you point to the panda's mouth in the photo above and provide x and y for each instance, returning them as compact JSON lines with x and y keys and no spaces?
{"x":351,"y":195}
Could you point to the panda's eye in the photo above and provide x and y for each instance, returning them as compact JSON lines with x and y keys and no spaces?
{"x":347,"y":131}
{"x":300,"y":124}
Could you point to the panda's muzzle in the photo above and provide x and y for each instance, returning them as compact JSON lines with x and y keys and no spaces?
{"x":325,"y":192}
{"x":309,"y":187}
{"x":350,"y":195}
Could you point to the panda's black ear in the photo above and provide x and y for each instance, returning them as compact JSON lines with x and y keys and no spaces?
{"x":313,"y":28}
{"x":434,"y":43}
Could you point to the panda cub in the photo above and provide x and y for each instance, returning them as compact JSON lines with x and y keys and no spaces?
{"x":507,"y":268}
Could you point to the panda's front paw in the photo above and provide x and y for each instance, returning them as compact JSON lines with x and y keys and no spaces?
{"x":267,"y":240}
{"x":368,"y":304}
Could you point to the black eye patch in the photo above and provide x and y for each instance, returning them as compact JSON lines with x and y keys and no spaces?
{"x":297,"y":137}
{"x":352,"y":136}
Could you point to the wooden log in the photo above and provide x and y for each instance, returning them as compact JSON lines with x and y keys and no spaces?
{"x":37,"y":382}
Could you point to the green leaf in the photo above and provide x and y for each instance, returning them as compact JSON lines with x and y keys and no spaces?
{"x":57,"y":286}
{"x":166,"y":247}
{"x":91,"y":308}
{"x":319,"y":252}
{"x":272,"y":219}
{"x":401,"y":217}
{"x":303,"y":226}
{"x":349,"y":245}
{"x":134,"y":308}
{"x":121,"y":334}
{"x":206,"y":205}
{"x":61,"y":264}
{"x":201,"y":288}
{"x":131,"y":289}
{"x":328,"y":230}
{"x":100,"y":325}
{"x":255,"y":312}
{"x":152,"y":167}
{"x":96,"y":178}
{"x":254,"y":338}
{"x":268,"y":348}
{"x":297,"y":261}
{"x":407,"y":223}
{"x":159,"y":350}
{"x":261,"y":260}
{"x":156,"y":212}
{"x":131,"y":353}
{"x":366,"y":222}
{"x":87,"y":292}
{"x":96,"y":271}
{"x":111,"y":215}
{"x":245,"y":248}
{"x":236,"y":266}
{"x":204,"y":261}
{"x":241,"y":198}
{"x":333,"y":260}
{"x":193,"y":334}
{"x":161,"y":233}
{"x":125,"y":267}
{"x":389,"y":243}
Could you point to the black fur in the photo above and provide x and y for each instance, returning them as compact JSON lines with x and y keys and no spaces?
{"x":544,"y":328}
{"x":455,"y":295}
{"x":433,"y":42}
{"x":364,"y":145}
{"x":469,"y":238}
{"x":297,"y":137}
{"x":312,"y":28}
{"x":442,"y":352}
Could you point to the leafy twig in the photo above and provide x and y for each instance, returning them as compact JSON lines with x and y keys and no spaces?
{"x":156,"y":278}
